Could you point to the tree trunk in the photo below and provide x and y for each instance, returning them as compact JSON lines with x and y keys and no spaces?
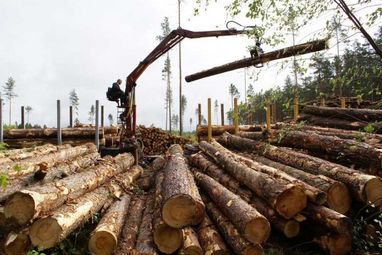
{"x":191,"y":245}
{"x":20,"y":154}
{"x":181,"y":203}
{"x":253,"y":226}
{"x":47,"y":232}
{"x":201,"y":130}
{"x":104,"y":239}
{"x":17,"y":243}
{"x":369,"y":115}
{"x":231,"y":235}
{"x":29,"y":133}
{"x":338,"y":197}
{"x":210,"y":239}
{"x":28,"y":165}
{"x":158,"y":164}
{"x":166,"y":238}
{"x":130,"y":229}
{"x":145,"y":242}
{"x":290,"y":228}
{"x":286,"y":199}
{"x":27,"y":204}
{"x":365,"y":188}
{"x":331,"y":219}
{"x":335,"y":244}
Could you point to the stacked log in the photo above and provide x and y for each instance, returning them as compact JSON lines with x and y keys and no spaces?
{"x":156,"y":141}
{"x":210,"y":239}
{"x":202,"y":130}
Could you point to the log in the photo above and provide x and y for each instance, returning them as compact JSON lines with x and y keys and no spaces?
{"x":145,"y":242}
{"x":49,"y":231}
{"x":181,"y":204}
{"x":331,"y":219}
{"x":19,"y":154}
{"x":130,"y":229}
{"x":210,"y":239}
{"x":158,"y":163}
{"x":2,"y":217}
{"x":300,"y":49}
{"x":369,"y":115}
{"x":27,"y":204}
{"x":17,"y":243}
{"x":29,"y":133}
{"x":286,"y":199}
{"x":207,"y":166}
{"x":247,"y":220}
{"x":104,"y":239}
{"x":365,"y":188}
{"x":231,"y":235}
{"x":334,"y":244}
{"x":289,"y":228}
{"x":166,"y":238}
{"x":191,"y":245}
{"x":201,"y":130}
{"x":338,"y":197}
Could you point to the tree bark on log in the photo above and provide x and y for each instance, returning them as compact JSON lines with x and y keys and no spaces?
{"x":290,"y":228}
{"x":28,"y":165}
{"x":286,"y":199}
{"x":207,"y":166}
{"x":145,"y":243}
{"x":338,"y":197}
{"x":181,"y":203}
{"x":365,"y":188}
{"x":210,"y":239}
{"x":167,"y":239}
{"x":130,"y":229}
{"x":29,"y":133}
{"x":2,"y":217}
{"x":250,"y":223}
{"x":191,"y":245}
{"x":17,"y":243}
{"x":231,"y":235}
{"x":20,"y":154}
{"x":27,"y":204}
{"x":331,"y":219}
{"x":47,"y":232}
{"x":202,"y":130}
{"x":334,"y":244}
{"x":369,"y":115}
{"x":104,"y":239}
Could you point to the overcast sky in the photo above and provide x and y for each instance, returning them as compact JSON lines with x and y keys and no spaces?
{"x":51,"y":47}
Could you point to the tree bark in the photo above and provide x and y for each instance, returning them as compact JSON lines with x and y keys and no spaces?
{"x":204,"y":163}
{"x":331,"y":219}
{"x":201,"y":130}
{"x":365,"y":188}
{"x":166,"y":238}
{"x":369,"y":115}
{"x":2,"y":217}
{"x":130,"y":229}
{"x":290,"y":228}
{"x":250,"y":223}
{"x":181,"y":203}
{"x":286,"y":199}
{"x":49,"y":231}
{"x":104,"y":239}
{"x":82,"y":133}
{"x":231,"y":235}
{"x":27,"y":204}
{"x":145,"y":243}
{"x":210,"y":239}
{"x":338,"y":197}
{"x":335,"y":244}
{"x":20,"y":154}
{"x":17,"y":243}
{"x":191,"y":245}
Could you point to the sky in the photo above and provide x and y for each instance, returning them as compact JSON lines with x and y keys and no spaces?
{"x":51,"y":47}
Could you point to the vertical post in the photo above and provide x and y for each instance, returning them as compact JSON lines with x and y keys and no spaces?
{"x":199,"y":114}
{"x":22,"y":117}
{"x":209,"y":120}
{"x":343,"y":102}
{"x":102,"y":116}
{"x":235,"y":116}
{"x":180,"y":79}
{"x":1,"y":121}
{"x":59,"y":131}
{"x":97,"y":124}
{"x":71,"y":116}
{"x":222,"y":113}
{"x":295,"y":108}
{"x":268,"y":116}
{"x":274,"y":113}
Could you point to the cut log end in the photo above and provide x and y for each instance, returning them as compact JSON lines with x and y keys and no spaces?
{"x":373,"y":191}
{"x":16,"y":244}
{"x":20,"y":207}
{"x":257,"y":230}
{"x":45,"y":233}
{"x":253,"y":250}
{"x":102,"y":243}
{"x":291,"y":229}
{"x":179,"y":210}
{"x":339,"y":198}
{"x":291,"y":202}
{"x":168,"y":239}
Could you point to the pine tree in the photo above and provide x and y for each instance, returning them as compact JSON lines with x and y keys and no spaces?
{"x":9,"y":93}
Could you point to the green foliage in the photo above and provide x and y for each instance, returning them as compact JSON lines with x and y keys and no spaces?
{"x":4,"y":147}
{"x":74,"y":100}
{"x":3,"y":181}
{"x":17,"y":168}
{"x":110,"y":118}
{"x":369,"y":128}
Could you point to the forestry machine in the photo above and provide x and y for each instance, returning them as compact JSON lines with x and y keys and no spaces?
{"x":129,"y":139}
